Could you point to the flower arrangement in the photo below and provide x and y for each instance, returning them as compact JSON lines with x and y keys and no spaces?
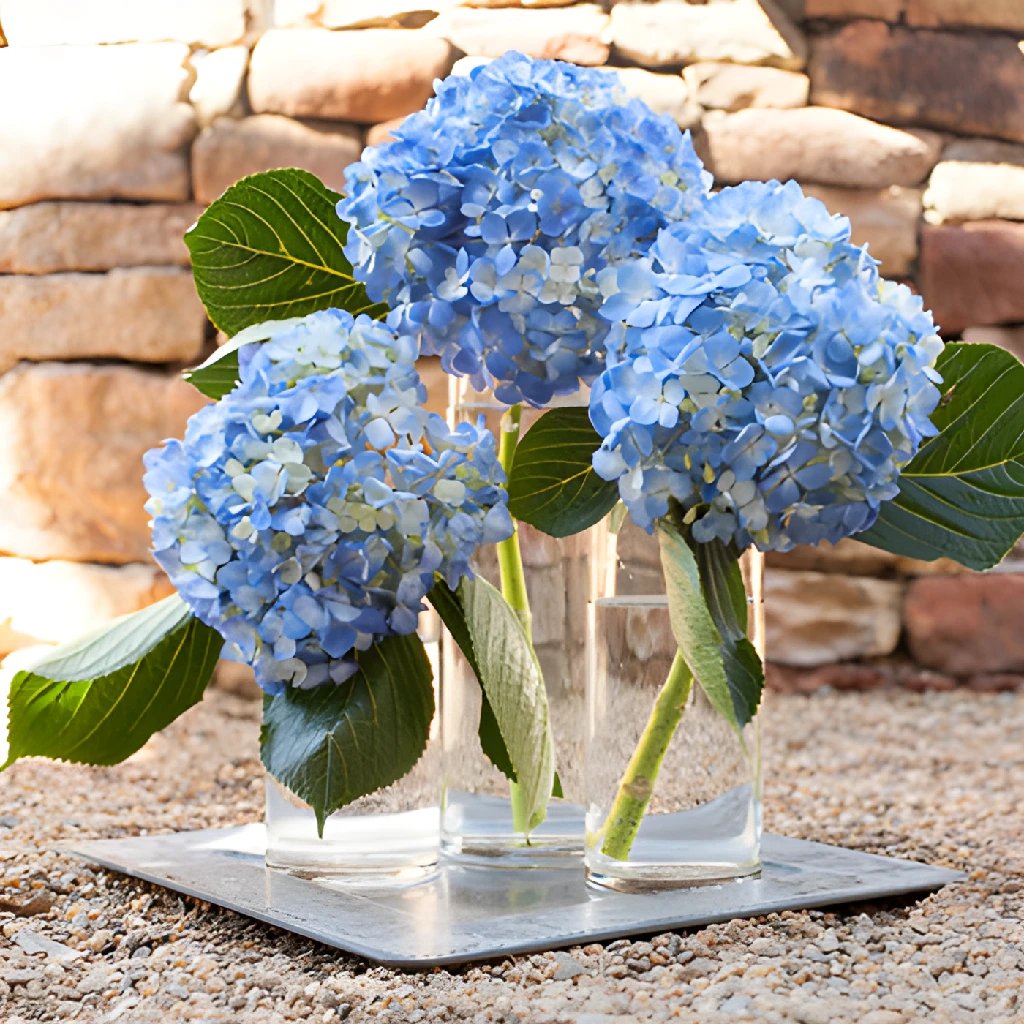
{"x":754,"y":381}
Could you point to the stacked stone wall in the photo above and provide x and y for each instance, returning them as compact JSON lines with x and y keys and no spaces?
{"x":122,"y":118}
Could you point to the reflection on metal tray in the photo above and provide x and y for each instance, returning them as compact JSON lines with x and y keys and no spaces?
{"x":470,"y":913}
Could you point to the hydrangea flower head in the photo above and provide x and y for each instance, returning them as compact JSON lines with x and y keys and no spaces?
{"x":485,"y":222}
{"x":306,"y":513}
{"x":762,"y":375}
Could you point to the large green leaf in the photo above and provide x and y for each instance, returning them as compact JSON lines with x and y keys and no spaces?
{"x":270,"y":248}
{"x":495,"y":643}
{"x":449,"y":607}
{"x":96,"y":700}
{"x":332,"y":744}
{"x":700,"y":642}
{"x":553,"y":485}
{"x":726,"y":598}
{"x":962,"y":496}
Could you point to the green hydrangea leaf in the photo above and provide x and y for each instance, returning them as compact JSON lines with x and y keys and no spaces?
{"x":491,"y":636}
{"x":552,"y":485}
{"x":332,"y":744}
{"x":726,"y":598}
{"x":97,"y":699}
{"x":488,"y":730}
{"x":270,"y":248}
{"x":734,"y":694}
{"x":962,"y":495}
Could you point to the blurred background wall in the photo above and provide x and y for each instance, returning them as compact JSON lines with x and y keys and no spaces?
{"x":120,"y":119}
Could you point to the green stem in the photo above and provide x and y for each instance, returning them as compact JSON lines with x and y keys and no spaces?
{"x":513,"y":581}
{"x":637,"y":785}
{"x":510,"y":558}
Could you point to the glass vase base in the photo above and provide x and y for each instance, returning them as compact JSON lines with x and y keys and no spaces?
{"x":716,"y":842}
{"x":479,"y":830}
{"x":658,"y":878}
{"x":347,"y":873}
{"x":364,"y":848}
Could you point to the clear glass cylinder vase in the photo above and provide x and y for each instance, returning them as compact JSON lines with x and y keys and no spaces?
{"x":392,"y":835}
{"x":478,"y":821}
{"x":672,"y":800}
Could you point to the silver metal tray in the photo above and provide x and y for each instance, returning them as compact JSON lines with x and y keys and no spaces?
{"x":461,"y":913}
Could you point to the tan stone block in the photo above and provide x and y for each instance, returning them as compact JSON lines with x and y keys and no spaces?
{"x":378,"y":134}
{"x":516,"y":3}
{"x":969,"y":83}
{"x":296,"y":13}
{"x":848,"y":558}
{"x":575,"y":34}
{"x":977,"y":179}
{"x":738,"y":86}
{"x":367,"y":76}
{"x":349,"y":14}
{"x":380,"y":13}
{"x":217,"y":89}
{"x":814,"y":618}
{"x":228,"y":150}
{"x":971,"y":273}
{"x":1007,"y":15}
{"x":885,"y":220}
{"x":50,"y":22}
{"x":147,"y":314}
{"x":45,"y":238}
{"x":664,"y":94}
{"x":967,"y":624}
{"x":94,"y":122}
{"x":995,"y":682}
{"x":888,"y":10}
{"x":669,"y":33}
{"x":53,"y":602}
{"x":71,"y":466}
{"x":816,"y":144}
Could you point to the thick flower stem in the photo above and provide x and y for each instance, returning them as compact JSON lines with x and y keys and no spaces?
{"x":513,"y":580}
{"x":637,"y":785}
{"x":510,"y":558}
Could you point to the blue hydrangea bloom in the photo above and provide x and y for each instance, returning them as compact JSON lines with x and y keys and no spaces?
{"x":485,"y":222}
{"x":306,"y":513}
{"x":761,"y":374}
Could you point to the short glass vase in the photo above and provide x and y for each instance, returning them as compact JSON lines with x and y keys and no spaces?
{"x":391,"y":836}
{"x":673,"y":800}
{"x":388,"y":836}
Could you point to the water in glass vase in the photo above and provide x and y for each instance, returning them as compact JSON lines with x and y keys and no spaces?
{"x":479,"y":820}
{"x":366,"y":841}
{"x":391,"y":836}
{"x":479,"y":809}
{"x":673,"y":789}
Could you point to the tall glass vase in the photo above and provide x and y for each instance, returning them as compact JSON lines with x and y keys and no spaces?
{"x":392,"y":835}
{"x":478,"y":820}
{"x":673,"y":789}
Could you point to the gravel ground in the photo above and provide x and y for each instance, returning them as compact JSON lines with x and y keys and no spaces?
{"x":934,"y":777}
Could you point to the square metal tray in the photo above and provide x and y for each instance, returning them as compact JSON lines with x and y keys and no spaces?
{"x":469,"y":913}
